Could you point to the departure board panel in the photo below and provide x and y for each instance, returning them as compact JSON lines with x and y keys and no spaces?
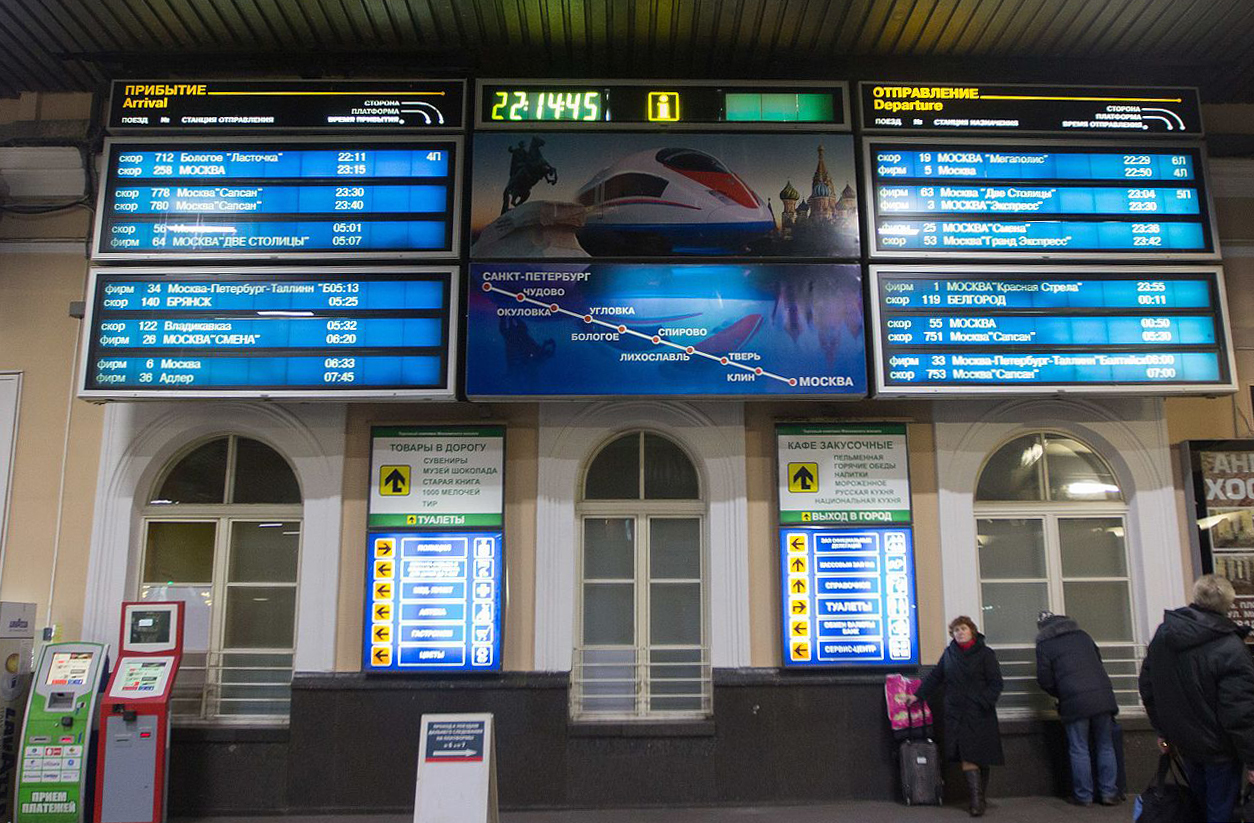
{"x":961,"y":330}
{"x":977,"y":199}
{"x":979,"y":107}
{"x":274,"y":199}
{"x":333,"y":332}
{"x":344,"y":106}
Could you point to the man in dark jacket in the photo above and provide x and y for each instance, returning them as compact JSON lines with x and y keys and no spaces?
{"x":1197,"y":683}
{"x":1069,"y":667}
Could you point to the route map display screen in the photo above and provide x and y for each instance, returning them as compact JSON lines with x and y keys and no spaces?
{"x":539,"y":330}
{"x":976,"y":199}
{"x":979,"y":107}
{"x":285,"y":198}
{"x":433,"y":602}
{"x":270,"y":105}
{"x":956,"y":330}
{"x":333,"y":332}
{"x":848,"y":597}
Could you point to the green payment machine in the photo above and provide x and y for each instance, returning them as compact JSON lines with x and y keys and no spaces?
{"x":56,"y":737}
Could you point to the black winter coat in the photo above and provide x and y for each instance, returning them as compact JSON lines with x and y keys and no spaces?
{"x":972,"y":683}
{"x":1197,"y":683}
{"x":1069,"y":667}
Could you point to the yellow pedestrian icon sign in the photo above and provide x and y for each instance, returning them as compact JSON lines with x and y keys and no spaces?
{"x":385,"y":547}
{"x":381,"y":633}
{"x":800,"y":651}
{"x":381,"y":656}
{"x":384,"y":569}
{"x":803,"y":477}
{"x":663,"y":106}
{"x":394,"y":481}
{"x":383,"y":591}
{"x":411,"y":519}
{"x":800,"y":628}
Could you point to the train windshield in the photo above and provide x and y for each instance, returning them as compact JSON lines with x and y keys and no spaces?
{"x":690,"y":160}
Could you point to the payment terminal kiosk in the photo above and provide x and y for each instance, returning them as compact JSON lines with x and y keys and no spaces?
{"x":57,"y":733}
{"x":135,"y":716}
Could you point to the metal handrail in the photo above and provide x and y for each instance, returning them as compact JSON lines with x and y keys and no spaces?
{"x":638,"y":686}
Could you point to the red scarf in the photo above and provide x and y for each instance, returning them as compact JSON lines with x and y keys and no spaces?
{"x":966,"y":646}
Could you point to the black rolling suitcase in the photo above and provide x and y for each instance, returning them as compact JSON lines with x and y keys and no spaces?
{"x":920,"y":768}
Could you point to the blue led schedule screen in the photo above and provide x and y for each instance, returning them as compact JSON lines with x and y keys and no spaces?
{"x":267,"y":199}
{"x":848,"y":597}
{"x":978,"y":200}
{"x":433,"y":602}
{"x":945,"y":327}
{"x":267,"y":331}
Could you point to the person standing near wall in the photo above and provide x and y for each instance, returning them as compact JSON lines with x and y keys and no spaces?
{"x":1197,"y":684}
{"x":971,"y":676}
{"x":1069,"y":668}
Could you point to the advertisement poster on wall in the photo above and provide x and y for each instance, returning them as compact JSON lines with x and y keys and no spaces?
{"x":1223,"y":497}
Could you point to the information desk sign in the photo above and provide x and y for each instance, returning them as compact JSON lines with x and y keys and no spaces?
{"x":433,"y":602}
{"x":843,"y":473}
{"x":437,"y":477}
{"x":848,"y":597}
{"x":270,"y":332}
{"x":975,"y":198}
{"x":1107,"y":111}
{"x":998,"y":329}
{"x":344,"y":106}
{"x":200,"y":198}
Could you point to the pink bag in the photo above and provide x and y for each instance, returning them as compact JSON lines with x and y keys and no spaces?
{"x":900,"y":715}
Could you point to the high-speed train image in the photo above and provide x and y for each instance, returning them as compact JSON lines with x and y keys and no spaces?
{"x":671,"y":200}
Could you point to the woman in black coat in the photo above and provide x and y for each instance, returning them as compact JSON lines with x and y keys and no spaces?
{"x":971,"y":677}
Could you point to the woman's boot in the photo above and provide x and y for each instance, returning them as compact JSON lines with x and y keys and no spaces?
{"x":975,"y":785}
{"x":984,"y":771}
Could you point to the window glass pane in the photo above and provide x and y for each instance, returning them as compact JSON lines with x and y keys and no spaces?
{"x":260,"y":617}
{"x":262,"y":475}
{"x":1077,"y":473}
{"x":674,"y":548}
{"x":668,"y":473}
{"x":1013,"y":472}
{"x":1010,"y":611}
{"x":609,"y":614}
{"x":1101,"y":609}
{"x":1011,"y":549}
{"x":615,"y":471}
{"x":179,"y":553}
{"x":264,"y":552}
{"x":198,"y":605}
{"x":200,"y":477}
{"x":609,"y":548}
{"x":675,"y":680}
{"x":607,"y":682}
{"x":1092,"y":547}
{"x":675,"y":613}
{"x":255,"y":684}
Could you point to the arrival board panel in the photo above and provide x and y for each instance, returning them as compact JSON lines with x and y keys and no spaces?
{"x":269,"y":105}
{"x":949,"y":328}
{"x":978,"y":199}
{"x":335,"y":332}
{"x":286,"y":198}
{"x":848,"y":597}
{"x":956,"y":107}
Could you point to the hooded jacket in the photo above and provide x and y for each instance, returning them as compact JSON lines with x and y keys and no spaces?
{"x":1069,"y":667}
{"x":1197,"y":683}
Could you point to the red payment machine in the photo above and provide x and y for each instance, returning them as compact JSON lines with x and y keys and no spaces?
{"x":134,"y":737}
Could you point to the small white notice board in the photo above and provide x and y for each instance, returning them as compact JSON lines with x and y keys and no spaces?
{"x":456,"y":770}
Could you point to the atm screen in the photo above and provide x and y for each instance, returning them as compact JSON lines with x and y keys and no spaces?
{"x":150,"y":626}
{"x":69,"y":669}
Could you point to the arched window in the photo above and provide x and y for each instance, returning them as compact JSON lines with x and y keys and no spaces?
{"x":641,"y":637}
{"x":1051,"y":532}
{"x":222,"y":533}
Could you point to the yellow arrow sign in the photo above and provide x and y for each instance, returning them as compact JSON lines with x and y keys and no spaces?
{"x":800,"y":651}
{"x":803,"y":477}
{"x":383,"y":568}
{"x":383,"y":591}
{"x":381,"y":633}
{"x":799,"y":606}
{"x":384,"y":547}
{"x":797,"y":585}
{"x":394,"y":481}
{"x":381,"y":656}
{"x":800,"y":628}
{"x":797,"y":565}
{"x":797,"y":542}
{"x":382,"y":611}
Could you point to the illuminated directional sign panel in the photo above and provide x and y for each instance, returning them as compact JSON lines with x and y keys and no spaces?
{"x":962,"y":330}
{"x":344,"y":106}
{"x":279,"y":198}
{"x":848,"y":597}
{"x":980,"y":107}
{"x":274,"y":332}
{"x":978,"y":199}
{"x":613,"y":329}
{"x":433,"y":602}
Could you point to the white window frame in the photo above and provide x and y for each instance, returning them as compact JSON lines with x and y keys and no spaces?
{"x":641,"y":512}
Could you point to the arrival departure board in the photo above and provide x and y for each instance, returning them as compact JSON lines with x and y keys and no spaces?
{"x":271,"y":105}
{"x":331,"y":332}
{"x":287,"y":198}
{"x":962,"y":330}
{"x":603,"y":105}
{"x":977,"y":199}
{"x":980,"y":107}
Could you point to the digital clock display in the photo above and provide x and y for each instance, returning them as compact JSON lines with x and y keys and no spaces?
{"x":570,"y":104}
